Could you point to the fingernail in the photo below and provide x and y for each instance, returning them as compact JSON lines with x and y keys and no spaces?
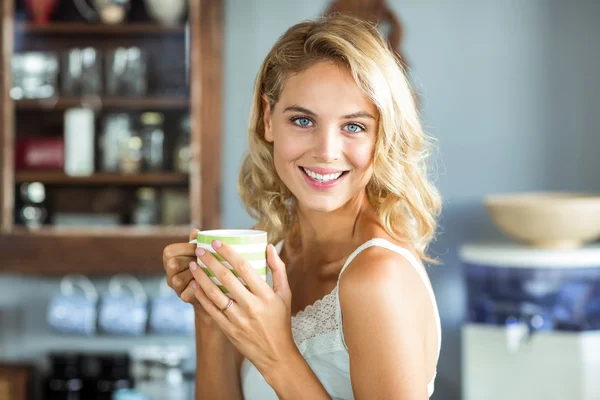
{"x":200,"y":251}
{"x":217,"y":244}
{"x":193,"y":266}
{"x":194,"y":285}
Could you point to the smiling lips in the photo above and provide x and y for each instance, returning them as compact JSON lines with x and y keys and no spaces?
{"x":322,"y":178}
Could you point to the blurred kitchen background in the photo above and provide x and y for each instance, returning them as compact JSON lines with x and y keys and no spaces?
{"x":124,"y":124}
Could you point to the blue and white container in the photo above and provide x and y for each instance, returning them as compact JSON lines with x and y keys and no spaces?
{"x":547,"y":289}
{"x":532,"y":328}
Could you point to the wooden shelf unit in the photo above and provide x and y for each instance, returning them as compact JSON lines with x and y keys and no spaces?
{"x":58,"y":250}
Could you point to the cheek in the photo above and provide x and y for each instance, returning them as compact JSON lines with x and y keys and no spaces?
{"x":284,"y":153}
{"x":361,"y":156}
{"x":287,"y":150}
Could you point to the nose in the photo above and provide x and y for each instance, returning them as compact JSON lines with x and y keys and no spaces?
{"x":328,"y":144}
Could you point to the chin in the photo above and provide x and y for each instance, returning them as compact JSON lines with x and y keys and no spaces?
{"x":320,"y":205}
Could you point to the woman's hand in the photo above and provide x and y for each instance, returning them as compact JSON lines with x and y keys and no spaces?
{"x":258,"y":323}
{"x":176,"y":262}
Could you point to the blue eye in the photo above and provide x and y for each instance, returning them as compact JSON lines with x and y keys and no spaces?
{"x":303,"y":122}
{"x":354,"y":128}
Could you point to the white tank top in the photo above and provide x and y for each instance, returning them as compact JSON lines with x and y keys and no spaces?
{"x":318,"y":333}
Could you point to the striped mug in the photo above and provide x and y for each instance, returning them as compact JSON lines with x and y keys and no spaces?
{"x":251,"y":244}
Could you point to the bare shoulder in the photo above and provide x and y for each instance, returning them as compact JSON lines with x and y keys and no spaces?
{"x":383,"y":277}
{"x":383,"y":296}
{"x":381,"y":283}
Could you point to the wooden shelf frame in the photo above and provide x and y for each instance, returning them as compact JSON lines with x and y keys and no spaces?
{"x":7,"y":119}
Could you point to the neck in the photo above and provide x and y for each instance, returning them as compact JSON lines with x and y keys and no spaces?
{"x":326,"y":237}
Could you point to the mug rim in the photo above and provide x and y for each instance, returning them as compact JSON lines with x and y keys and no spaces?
{"x":232,"y":236}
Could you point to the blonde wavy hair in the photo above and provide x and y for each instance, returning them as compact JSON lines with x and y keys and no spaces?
{"x":407,"y":203}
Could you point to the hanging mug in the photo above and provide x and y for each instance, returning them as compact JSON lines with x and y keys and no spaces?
{"x":123,"y":309}
{"x":73,"y":312}
{"x":169,"y":314}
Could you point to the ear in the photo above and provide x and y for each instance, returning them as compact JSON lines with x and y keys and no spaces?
{"x":267,"y":119}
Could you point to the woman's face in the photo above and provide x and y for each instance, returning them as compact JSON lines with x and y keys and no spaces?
{"x":323,"y":129}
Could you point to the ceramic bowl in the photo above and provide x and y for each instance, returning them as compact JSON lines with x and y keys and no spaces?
{"x":547,"y":219}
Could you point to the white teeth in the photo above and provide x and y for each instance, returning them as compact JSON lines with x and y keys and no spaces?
{"x":322,"y":178}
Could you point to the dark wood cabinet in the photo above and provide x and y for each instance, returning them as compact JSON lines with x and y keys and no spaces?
{"x":184,"y":79}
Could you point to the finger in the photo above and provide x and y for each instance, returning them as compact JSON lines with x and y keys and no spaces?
{"x":212,"y":299}
{"x":219,"y":317}
{"x":225,"y":277}
{"x":194,"y":234}
{"x":182,"y":280}
{"x":178,"y":250}
{"x":177,"y":265}
{"x":210,"y":288}
{"x":188,"y":294}
{"x":247,"y":268}
{"x":281,"y":285}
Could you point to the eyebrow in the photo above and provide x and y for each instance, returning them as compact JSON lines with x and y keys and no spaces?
{"x":359,"y":114}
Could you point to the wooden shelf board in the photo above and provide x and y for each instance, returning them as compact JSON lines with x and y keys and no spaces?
{"x":137,"y":28}
{"x":60,"y":178}
{"x":128,"y":103}
{"x":53,"y":251}
{"x":108,"y":232}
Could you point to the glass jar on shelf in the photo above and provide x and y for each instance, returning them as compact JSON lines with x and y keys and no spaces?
{"x":153,"y":141}
{"x":33,"y":212}
{"x":130,"y":158}
{"x":114,"y":144}
{"x":146,"y":211}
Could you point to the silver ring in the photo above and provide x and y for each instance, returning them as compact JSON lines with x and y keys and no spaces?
{"x":227,"y":306}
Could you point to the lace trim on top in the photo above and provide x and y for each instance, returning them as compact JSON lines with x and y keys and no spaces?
{"x":316,"y":319}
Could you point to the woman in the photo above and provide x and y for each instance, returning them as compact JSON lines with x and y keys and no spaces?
{"x":335,"y":174}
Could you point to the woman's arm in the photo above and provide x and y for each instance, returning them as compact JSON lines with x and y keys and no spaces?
{"x":387,"y":315}
{"x":217,"y":364}
{"x":293,"y":379}
{"x":216,"y":380}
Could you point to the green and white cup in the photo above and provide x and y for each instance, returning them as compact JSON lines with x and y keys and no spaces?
{"x":251,"y":244}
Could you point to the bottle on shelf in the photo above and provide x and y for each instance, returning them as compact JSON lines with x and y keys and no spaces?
{"x":79,"y":141}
